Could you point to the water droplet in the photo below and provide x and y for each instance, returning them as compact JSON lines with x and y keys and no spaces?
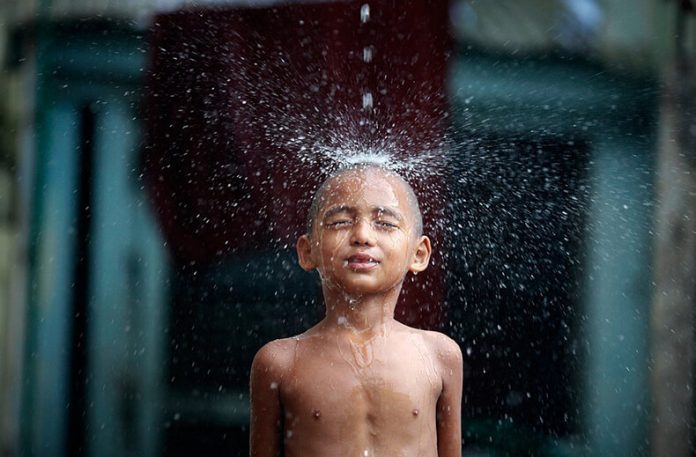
{"x":364,"y":17}
{"x":367,"y":101}
{"x":367,"y":54}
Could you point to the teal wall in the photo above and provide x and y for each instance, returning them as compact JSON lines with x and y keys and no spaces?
{"x":99,"y":67}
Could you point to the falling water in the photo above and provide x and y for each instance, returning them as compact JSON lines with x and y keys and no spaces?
{"x":367,"y":101}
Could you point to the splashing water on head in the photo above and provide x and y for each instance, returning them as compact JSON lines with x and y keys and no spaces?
{"x":337,"y":153}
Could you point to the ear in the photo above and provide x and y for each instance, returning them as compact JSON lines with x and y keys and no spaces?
{"x":304,"y":253}
{"x":421,"y":257}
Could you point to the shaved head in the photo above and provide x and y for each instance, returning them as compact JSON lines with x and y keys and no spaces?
{"x":320,"y":196}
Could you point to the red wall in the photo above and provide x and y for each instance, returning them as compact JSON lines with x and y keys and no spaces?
{"x":230,"y":91}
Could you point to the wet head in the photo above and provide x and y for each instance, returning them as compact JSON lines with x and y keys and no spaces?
{"x":364,"y":231}
{"x":379,"y":166}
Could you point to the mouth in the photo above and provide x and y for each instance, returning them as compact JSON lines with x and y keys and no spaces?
{"x":361,"y":262}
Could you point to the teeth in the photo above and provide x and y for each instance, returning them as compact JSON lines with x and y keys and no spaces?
{"x":363,"y":260}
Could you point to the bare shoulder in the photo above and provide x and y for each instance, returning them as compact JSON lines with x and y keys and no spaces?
{"x":275,"y":357}
{"x":443,"y":348}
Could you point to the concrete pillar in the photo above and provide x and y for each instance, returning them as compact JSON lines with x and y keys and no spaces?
{"x":617,"y":299}
{"x":672,"y":319}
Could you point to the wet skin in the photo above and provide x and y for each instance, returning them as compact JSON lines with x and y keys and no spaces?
{"x":359,"y":383}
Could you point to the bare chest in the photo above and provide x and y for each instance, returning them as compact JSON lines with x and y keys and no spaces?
{"x":345,"y":384}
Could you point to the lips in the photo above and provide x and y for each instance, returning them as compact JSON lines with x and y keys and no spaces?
{"x":361,"y":262}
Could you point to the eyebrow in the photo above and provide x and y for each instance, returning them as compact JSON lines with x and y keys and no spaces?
{"x":389,"y":212}
{"x":338,"y":209}
{"x":377,"y":209}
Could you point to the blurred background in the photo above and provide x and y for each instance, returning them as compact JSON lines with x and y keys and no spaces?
{"x":156,"y":163}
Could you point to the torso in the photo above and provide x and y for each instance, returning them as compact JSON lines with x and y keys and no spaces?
{"x":371,"y":400}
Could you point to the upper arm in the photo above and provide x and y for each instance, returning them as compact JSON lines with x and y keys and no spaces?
{"x":449,"y":405}
{"x":267,"y":371}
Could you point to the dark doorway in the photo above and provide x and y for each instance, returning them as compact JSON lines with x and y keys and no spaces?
{"x":221,"y":314}
{"x":517,"y":229}
{"x":80,"y":302}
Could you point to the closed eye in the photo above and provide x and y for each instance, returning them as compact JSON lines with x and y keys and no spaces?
{"x":339,"y":223}
{"x":386,"y":225}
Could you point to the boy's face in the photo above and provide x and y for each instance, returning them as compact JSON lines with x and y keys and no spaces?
{"x":363,"y":240}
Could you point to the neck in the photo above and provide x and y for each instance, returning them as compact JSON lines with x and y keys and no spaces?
{"x":365,"y":314}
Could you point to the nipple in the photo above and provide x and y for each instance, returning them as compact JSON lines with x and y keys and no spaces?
{"x":415,"y":413}
{"x":316,"y":414}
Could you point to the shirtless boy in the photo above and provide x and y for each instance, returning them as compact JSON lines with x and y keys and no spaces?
{"x":359,"y":383}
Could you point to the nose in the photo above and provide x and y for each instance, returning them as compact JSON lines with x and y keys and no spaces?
{"x":362,"y":233}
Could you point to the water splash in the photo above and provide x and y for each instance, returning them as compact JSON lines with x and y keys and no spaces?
{"x":511,"y":218}
{"x":343,"y":150}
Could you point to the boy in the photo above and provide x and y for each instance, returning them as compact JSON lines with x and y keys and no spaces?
{"x":359,"y":383}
